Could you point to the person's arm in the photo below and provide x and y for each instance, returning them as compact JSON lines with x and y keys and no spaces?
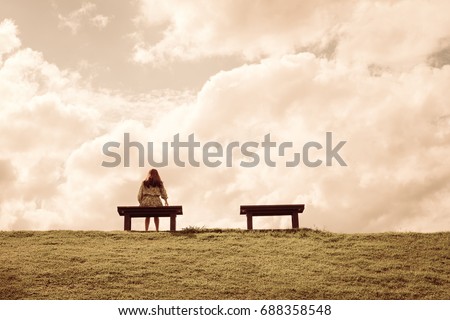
{"x":140,"y":193}
{"x":163,"y":194}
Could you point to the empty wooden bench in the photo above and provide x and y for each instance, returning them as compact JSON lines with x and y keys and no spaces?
{"x":152,"y":212}
{"x":272,"y":210}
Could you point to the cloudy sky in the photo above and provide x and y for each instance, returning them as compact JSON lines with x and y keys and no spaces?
{"x":75,"y":75}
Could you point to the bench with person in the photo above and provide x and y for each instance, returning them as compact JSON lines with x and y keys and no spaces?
{"x":150,"y":212}
{"x":272,"y":210}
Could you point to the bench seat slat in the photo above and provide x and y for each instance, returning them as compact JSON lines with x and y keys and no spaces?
{"x":149,"y":215}
{"x":271,"y":213}
{"x":150,"y":210}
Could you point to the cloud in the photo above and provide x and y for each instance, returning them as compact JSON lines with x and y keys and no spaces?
{"x":8,"y":37}
{"x":41,"y":124}
{"x":441,"y":56}
{"x":100,"y":21}
{"x":74,"y":19}
{"x":53,"y":127}
{"x":33,"y":93}
{"x":395,"y":149}
{"x":245,"y":28}
{"x":8,"y":176}
{"x":389,"y":34}
{"x":393,"y":34}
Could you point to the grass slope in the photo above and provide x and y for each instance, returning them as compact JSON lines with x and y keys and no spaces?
{"x":223,"y":264}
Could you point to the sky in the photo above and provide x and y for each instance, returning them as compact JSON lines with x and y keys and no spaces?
{"x":77,"y":76}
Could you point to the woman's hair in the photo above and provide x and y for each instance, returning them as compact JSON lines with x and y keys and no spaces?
{"x":153,"y":179}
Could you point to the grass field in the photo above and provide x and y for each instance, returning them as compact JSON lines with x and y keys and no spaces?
{"x":224,"y":264}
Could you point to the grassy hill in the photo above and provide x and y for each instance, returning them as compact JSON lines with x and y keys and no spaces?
{"x":224,"y":264}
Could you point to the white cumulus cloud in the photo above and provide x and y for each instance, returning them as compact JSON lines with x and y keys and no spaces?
{"x":8,"y":37}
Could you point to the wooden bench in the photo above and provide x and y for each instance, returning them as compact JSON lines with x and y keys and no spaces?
{"x":152,"y":212}
{"x":272,"y":210}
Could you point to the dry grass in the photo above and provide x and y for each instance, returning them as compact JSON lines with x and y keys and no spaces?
{"x":223,"y":264}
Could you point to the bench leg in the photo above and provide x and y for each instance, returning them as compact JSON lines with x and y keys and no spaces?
{"x":295,"y":221}
{"x":249,"y":221}
{"x":127,"y":223}
{"x":173,"y":222}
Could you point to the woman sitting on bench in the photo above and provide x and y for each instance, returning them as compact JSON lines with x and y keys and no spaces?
{"x":152,"y":188}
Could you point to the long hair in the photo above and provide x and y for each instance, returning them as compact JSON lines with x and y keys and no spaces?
{"x":153,"y":179}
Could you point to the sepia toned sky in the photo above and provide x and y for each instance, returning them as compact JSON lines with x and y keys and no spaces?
{"x":75,"y":75}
